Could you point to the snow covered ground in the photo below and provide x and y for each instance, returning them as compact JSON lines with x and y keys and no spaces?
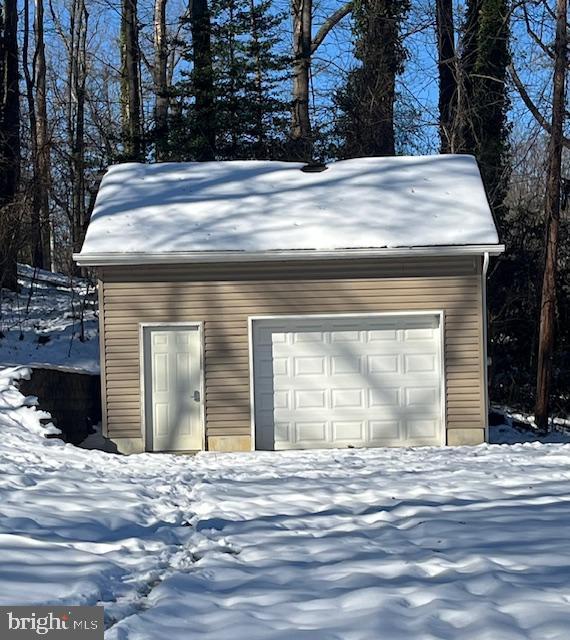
{"x":41,"y":323}
{"x":467,"y":543}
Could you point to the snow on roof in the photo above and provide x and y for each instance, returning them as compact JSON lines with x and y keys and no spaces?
{"x":264,"y":206}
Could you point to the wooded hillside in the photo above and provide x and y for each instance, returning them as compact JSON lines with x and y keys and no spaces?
{"x":88,"y":83}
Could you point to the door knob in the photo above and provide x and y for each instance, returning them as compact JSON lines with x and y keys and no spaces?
{"x":196,"y":396}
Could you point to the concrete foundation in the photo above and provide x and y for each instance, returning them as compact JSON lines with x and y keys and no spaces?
{"x":459,"y":437}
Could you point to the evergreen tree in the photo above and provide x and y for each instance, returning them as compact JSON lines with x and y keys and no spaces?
{"x":485,"y":59}
{"x":366,"y":103}
{"x":249,"y":115}
{"x":268,"y":69}
{"x":230,"y":63}
{"x":202,"y":127}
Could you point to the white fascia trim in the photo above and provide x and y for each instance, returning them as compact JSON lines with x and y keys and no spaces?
{"x":103,"y":259}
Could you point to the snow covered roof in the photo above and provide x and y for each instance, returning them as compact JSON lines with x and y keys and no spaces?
{"x":262,"y":209}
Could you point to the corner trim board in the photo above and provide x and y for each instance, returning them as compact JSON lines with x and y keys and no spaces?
{"x":102,"y":356}
{"x":485,"y":321}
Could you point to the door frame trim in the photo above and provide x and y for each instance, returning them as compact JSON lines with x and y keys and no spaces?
{"x":143,"y":327}
{"x":439,"y":313}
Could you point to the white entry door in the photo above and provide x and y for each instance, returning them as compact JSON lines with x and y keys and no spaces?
{"x":173,"y":388}
{"x":341,"y":381}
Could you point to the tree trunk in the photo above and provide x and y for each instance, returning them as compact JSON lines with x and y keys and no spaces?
{"x":130,"y":82}
{"x":304,"y":45}
{"x":9,"y":143}
{"x":301,"y":134}
{"x":76,"y":126}
{"x":447,"y":74}
{"x":36,"y":249}
{"x":42,"y":138}
{"x":366,"y":126}
{"x":382,"y":58}
{"x":552,"y":214}
{"x":161,"y":104}
{"x":203,"y":77}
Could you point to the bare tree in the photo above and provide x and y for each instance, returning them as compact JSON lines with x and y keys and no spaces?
{"x":76,"y":119}
{"x":131,"y":82}
{"x":43,"y":141}
{"x":552,"y":221}
{"x":35,"y":79}
{"x":160,"y":77}
{"x":9,"y":143}
{"x":300,"y":119}
{"x":304,"y":46}
{"x":446,"y":64}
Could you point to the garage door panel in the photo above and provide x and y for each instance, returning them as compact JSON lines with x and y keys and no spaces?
{"x":307,"y":334}
{"x":420,"y":363}
{"x":385,"y":334}
{"x":421,"y":396}
{"x":309,"y":365}
{"x":315,"y":432}
{"x":347,"y":398}
{"x":383,"y":364}
{"x":310,"y":398}
{"x":384,"y":397}
{"x":332,"y":382}
{"x":422,"y":428}
{"x":349,"y":431}
{"x":344,"y":336}
{"x":346,"y":365}
{"x":412,"y":335}
{"x":383,"y":431}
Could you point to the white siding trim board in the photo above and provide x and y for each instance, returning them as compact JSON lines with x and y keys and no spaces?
{"x":118,"y":258}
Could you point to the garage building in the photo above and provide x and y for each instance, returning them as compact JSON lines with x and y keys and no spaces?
{"x":270,"y":305}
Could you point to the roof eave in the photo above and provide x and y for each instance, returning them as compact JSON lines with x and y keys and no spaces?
{"x":110,"y":259}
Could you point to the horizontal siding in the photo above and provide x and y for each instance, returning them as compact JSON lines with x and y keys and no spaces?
{"x":285,"y":272}
{"x":223,"y":297}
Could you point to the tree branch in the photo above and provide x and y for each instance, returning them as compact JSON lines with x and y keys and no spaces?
{"x":329,"y":23}
{"x":547,"y":50}
{"x":542,"y":121}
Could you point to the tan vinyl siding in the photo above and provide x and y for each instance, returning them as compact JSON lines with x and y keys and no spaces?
{"x":224,"y":296}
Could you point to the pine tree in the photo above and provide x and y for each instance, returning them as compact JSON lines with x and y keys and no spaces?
{"x":248,"y":115}
{"x":366,"y":102}
{"x":229,"y":29}
{"x":268,"y":112}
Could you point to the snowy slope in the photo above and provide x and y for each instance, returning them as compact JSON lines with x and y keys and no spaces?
{"x":77,"y":526}
{"x":266,"y":206}
{"x":413,"y":544}
{"x":41,"y":323}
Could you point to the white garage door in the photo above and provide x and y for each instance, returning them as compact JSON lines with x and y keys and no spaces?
{"x":338,"y":382}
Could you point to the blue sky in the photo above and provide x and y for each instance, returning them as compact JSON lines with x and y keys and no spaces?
{"x":418,"y":85}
